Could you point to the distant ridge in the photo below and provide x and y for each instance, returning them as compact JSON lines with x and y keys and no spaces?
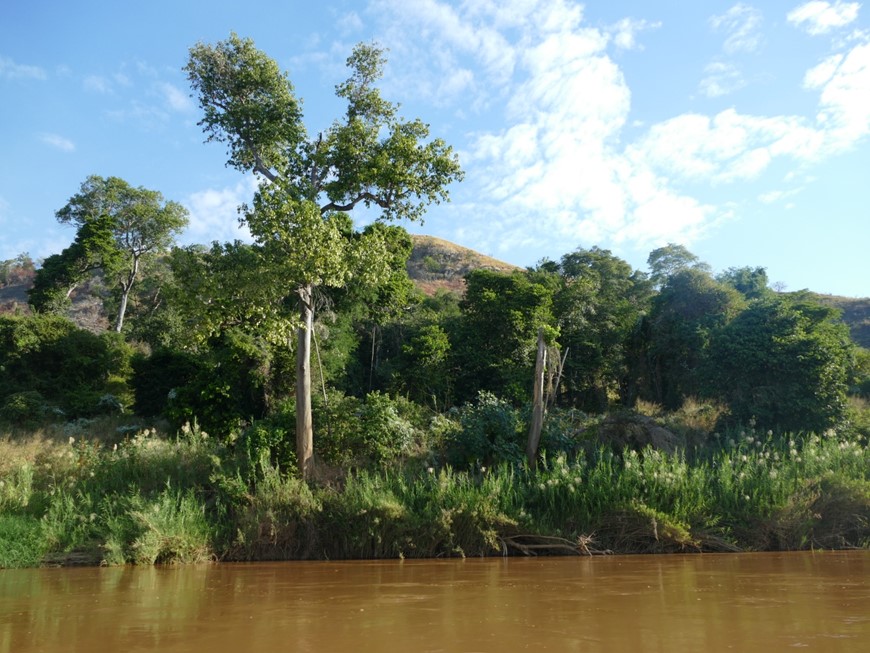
{"x":856,"y":314}
{"x":437,"y":264}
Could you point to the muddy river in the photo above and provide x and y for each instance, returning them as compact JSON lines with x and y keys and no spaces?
{"x":735,"y":602}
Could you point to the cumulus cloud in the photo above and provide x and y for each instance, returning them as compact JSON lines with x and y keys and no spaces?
{"x":349,"y":22}
{"x":844,"y":103}
{"x":58,"y":142}
{"x":176,"y":99}
{"x":214,"y":213}
{"x":720,"y":79}
{"x":742,"y":24}
{"x":626,"y":30}
{"x":12,"y":70}
{"x":569,"y":163}
{"x":819,"y":17}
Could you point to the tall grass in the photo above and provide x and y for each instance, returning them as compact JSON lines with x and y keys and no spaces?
{"x":153,"y":499}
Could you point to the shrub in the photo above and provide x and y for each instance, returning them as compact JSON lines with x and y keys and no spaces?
{"x":155,"y":377}
{"x":68,"y":366}
{"x":386,"y":433}
{"x":492,"y":431}
{"x":25,"y":409}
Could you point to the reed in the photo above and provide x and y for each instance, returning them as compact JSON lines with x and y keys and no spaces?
{"x":153,"y":499}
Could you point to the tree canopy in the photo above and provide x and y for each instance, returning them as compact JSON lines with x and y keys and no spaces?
{"x":370,"y":157}
{"x":117,"y":228}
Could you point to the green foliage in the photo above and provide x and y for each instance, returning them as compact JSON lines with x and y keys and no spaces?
{"x":689,"y":308}
{"x":598,"y":304}
{"x":387,"y":434}
{"x":173,"y":529}
{"x":784,"y":362}
{"x":268,"y":444}
{"x":667,"y":261}
{"x":228,"y":286}
{"x":230,"y":385}
{"x":370,"y":158}
{"x":277,"y":520}
{"x":501,"y":314}
{"x":158,"y":378}
{"x":247,"y":103}
{"x":426,"y":370}
{"x":21,"y":541}
{"x":151,"y":500}
{"x":25,"y":409}
{"x":70,"y":367}
{"x":94,"y":248}
{"x":749,"y":282}
{"x":493,"y":431}
{"x":119,"y":228}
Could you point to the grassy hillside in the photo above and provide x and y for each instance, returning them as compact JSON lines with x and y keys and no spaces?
{"x":856,"y":313}
{"x":439,"y":264}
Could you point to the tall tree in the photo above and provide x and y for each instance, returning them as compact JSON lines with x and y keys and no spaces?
{"x":598,"y":306}
{"x":94,"y":248}
{"x":666,"y":261}
{"x":370,"y":157}
{"x":689,"y":308}
{"x":784,"y":361}
{"x":497,"y":340}
{"x":141,"y":223}
{"x":750,"y":282}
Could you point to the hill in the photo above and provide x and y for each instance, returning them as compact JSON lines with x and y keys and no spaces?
{"x":437,"y":264}
{"x":434,"y":264}
{"x":856,"y":314}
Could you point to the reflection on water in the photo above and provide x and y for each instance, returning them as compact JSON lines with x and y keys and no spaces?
{"x":740,"y":602}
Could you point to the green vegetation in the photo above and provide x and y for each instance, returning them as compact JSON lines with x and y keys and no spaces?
{"x":301,"y":397}
{"x":147,"y":499}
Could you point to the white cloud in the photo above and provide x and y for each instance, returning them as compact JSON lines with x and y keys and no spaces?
{"x":727,"y":147}
{"x":214,"y":213}
{"x":568,"y":162}
{"x":720,"y":79}
{"x":557,"y":171}
{"x":776,"y":196}
{"x":98,"y":83}
{"x":175,"y":98}
{"x":11,"y":70}
{"x":742,"y":24}
{"x":349,"y":22}
{"x":818,"y":17}
{"x":844,"y":103}
{"x":58,"y":142}
{"x":625,"y":32}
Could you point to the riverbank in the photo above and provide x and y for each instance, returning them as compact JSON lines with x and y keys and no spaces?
{"x":150,"y":499}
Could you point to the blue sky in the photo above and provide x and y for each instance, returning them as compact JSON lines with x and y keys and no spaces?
{"x":740,"y":130}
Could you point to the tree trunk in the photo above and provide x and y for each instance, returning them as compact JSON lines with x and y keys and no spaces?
{"x":538,"y":403}
{"x":125,"y":293}
{"x":304,"y":421}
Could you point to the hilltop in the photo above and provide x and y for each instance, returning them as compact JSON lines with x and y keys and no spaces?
{"x":439,"y":264}
{"x":856,"y":313}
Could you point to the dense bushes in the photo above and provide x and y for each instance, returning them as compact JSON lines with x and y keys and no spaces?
{"x":783,"y":363}
{"x":47,"y":363}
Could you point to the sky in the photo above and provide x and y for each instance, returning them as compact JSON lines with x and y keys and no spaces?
{"x":739,"y":130}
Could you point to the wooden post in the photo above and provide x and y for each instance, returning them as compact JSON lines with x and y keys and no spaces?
{"x":538,"y":403}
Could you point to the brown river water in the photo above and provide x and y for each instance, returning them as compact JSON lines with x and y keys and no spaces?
{"x":729,"y":602}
